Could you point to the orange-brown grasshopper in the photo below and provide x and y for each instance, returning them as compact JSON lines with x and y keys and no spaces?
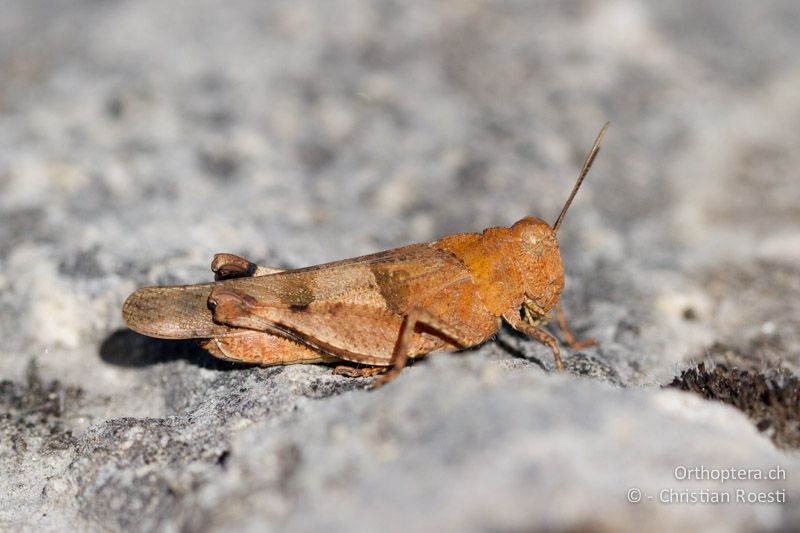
{"x":377,"y":310}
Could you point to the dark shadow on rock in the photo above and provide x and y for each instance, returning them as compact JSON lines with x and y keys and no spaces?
{"x":130,"y":349}
{"x":514,"y":351}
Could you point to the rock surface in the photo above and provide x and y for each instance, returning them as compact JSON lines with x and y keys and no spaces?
{"x":139,"y":138}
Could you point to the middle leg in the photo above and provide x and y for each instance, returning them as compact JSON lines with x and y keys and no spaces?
{"x":418,"y":315}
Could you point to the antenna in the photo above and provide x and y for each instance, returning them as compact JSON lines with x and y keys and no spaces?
{"x":587,"y":164}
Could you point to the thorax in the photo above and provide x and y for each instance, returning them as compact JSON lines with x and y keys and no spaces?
{"x":490,"y":259}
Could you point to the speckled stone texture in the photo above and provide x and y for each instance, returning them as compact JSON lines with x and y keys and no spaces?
{"x":138,"y":138}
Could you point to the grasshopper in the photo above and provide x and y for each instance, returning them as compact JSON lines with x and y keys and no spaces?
{"x":376,"y":311}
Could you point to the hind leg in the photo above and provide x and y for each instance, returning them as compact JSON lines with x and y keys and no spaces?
{"x":230,"y":266}
{"x":360,"y":371}
{"x":266,"y":349}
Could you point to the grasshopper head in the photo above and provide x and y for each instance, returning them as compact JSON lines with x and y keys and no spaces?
{"x":539,"y":260}
{"x":538,"y":255}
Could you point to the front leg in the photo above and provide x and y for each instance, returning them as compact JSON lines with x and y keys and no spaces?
{"x":569,"y":337}
{"x":534,"y":332}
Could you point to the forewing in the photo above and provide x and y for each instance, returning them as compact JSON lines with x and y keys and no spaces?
{"x":393,"y":279}
{"x":177,"y":312}
{"x":352,"y":308}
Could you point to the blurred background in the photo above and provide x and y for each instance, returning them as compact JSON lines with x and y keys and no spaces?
{"x":137,"y":139}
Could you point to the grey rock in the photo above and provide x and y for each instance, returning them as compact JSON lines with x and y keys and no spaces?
{"x":139,"y":138}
